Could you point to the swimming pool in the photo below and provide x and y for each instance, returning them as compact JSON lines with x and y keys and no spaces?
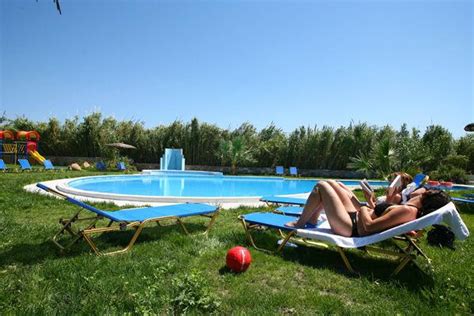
{"x":190,"y":187}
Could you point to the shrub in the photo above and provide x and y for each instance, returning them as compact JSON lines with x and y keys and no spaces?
{"x":450,"y":173}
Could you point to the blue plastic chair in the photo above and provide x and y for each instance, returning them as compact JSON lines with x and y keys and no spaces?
{"x":293,"y":171}
{"x":3,"y":166}
{"x":100,"y":165}
{"x":24,"y":164}
{"x":135,"y":218}
{"x":48,"y":165}
{"x":279,"y":170}
{"x":121,"y":166}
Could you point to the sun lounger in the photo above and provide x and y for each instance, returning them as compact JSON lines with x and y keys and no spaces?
{"x":420,"y":179}
{"x":121,"y":166}
{"x":322,"y":233}
{"x":3,"y":166}
{"x":100,"y":165}
{"x":48,"y":165}
{"x":24,"y":164}
{"x":279,"y":170}
{"x":461,"y":200}
{"x":293,"y":171}
{"x":290,"y":210}
{"x":283,"y":200}
{"x":121,"y":220}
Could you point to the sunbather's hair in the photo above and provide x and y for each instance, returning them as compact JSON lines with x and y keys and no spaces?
{"x":406,"y":178}
{"x":433,"y":199}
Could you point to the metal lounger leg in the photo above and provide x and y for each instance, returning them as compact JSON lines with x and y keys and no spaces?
{"x":252,"y":241}
{"x":402,"y":264}
{"x":68,"y":227}
{"x":87,"y":234}
{"x":180,"y":222}
{"x":212,"y":221}
{"x":410,"y":256}
{"x":344,"y":258}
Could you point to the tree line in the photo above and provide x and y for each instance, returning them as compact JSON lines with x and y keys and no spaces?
{"x":377,"y":151}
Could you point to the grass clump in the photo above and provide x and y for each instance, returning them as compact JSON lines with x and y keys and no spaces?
{"x":191,"y":293}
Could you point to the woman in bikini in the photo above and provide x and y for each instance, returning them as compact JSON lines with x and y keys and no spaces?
{"x":348,"y":218}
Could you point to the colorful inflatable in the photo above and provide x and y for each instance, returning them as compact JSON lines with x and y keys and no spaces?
{"x":30,"y":135}
{"x":31,"y":148}
{"x":6,"y":135}
{"x":22,"y":145}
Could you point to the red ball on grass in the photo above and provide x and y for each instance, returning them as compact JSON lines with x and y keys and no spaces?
{"x":238,"y":259}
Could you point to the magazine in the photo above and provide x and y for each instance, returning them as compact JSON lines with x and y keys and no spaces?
{"x":396,"y":183}
{"x":366,"y":186}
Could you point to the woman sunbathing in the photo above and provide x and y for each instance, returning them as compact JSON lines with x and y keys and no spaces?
{"x":348,"y":218}
{"x":393,"y":195}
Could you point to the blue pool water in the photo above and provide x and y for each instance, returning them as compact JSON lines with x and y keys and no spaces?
{"x":183,"y":185}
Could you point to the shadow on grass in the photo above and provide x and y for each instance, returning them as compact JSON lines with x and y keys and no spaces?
{"x":467,"y":208}
{"x":366,"y":266}
{"x":34,"y":253}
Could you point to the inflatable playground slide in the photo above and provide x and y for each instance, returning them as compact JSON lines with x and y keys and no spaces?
{"x":37,"y":156}
{"x":21,"y":145}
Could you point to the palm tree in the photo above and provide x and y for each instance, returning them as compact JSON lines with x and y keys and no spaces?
{"x":361,"y":163}
{"x":235,"y":151}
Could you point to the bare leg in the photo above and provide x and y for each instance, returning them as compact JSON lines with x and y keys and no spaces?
{"x":314,"y":218}
{"x":336,"y":211}
{"x":311,"y":209}
{"x":345,"y":194}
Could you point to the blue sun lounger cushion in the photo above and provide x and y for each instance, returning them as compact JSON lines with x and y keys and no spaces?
{"x":24,"y":164}
{"x":419,"y":179}
{"x":279,"y":170}
{"x":461,"y":200}
{"x":3,"y":166}
{"x":121,"y":166}
{"x":290,"y":210}
{"x":283,"y":200}
{"x":100,"y":165}
{"x":272,"y":220}
{"x":48,"y":165}
{"x":293,"y":171}
{"x":143,"y":213}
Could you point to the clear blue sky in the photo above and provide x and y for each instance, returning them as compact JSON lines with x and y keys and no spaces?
{"x":289,"y":62}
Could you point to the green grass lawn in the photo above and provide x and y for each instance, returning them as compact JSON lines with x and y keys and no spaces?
{"x":169,"y":272}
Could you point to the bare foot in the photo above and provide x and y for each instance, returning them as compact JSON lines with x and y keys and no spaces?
{"x":293,"y":225}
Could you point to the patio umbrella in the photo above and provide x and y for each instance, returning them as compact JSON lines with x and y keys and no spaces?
{"x":469,"y":127}
{"x":121,"y":145}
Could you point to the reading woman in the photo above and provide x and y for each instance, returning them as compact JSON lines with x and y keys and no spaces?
{"x":348,"y":218}
{"x":398,"y":183}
